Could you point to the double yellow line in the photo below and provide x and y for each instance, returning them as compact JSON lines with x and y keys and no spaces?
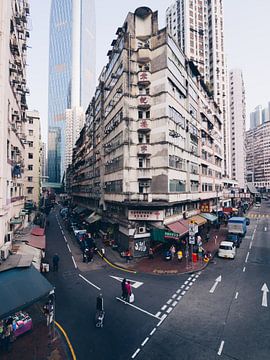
{"x":67,"y":340}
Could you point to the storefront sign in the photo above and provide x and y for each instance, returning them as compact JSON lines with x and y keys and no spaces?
{"x":192,"y":240}
{"x":192,"y":229}
{"x":171,"y":235}
{"x":149,"y":215}
{"x":205,"y":207}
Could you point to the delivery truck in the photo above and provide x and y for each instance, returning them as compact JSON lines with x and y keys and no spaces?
{"x":237,"y":225}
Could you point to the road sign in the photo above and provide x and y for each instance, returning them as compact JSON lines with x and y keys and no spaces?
{"x":191,"y":239}
{"x":192,"y":229}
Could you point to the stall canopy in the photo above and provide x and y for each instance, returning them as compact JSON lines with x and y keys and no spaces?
{"x":210,"y":217}
{"x":178,"y":228}
{"x":20,"y":288}
{"x":16,"y":221}
{"x":199,"y":220}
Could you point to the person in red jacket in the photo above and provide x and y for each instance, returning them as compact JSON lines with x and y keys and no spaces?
{"x":129,"y":291}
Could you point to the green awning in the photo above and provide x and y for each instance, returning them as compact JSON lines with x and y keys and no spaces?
{"x":15,"y":221}
{"x":158,"y":235}
{"x":209,"y":217}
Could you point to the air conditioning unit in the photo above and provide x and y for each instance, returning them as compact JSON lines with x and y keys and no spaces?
{"x":4,"y":251}
{"x":9,"y":237}
{"x":142,"y":229}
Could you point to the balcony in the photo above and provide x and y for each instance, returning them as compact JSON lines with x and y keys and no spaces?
{"x":144,"y":125}
{"x":144,"y":149}
{"x":144,"y":173}
{"x":144,"y":78}
{"x":144,"y":55}
{"x":144,"y":101}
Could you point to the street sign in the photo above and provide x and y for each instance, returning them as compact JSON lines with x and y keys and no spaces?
{"x":192,"y":239}
{"x":192,"y":229}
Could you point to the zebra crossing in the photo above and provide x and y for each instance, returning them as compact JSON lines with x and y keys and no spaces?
{"x":259,"y":216}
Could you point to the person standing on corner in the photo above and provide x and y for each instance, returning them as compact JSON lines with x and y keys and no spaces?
{"x":129,"y":290}
{"x":172,"y":249}
{"x":124,"y":290}
{"x":150,"y":253}
{"x":55,"y":262}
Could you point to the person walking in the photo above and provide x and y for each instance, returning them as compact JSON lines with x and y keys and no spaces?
{"x":55,"y":262}
{"x":150,"y":253}
{"x":129,"y":290}
{"x":172,"y":249}
{"x":124,"y":290}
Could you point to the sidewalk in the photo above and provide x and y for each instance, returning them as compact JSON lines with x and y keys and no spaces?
{"x":160,"y":266}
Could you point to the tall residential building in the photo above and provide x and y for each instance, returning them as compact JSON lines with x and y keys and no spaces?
{"x":71,"y":72}
{"x":150,"y":152}
{"x":238,"y":125}
{"x":197,"y":26}
{"x":259,"y":116}
{"x":13,"y":46}
{"x":33,"y":148}
{"x":258,"y":155}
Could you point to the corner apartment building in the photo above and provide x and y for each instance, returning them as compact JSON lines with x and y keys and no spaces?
{"x":258,"y":156}
{"x":13,"y":106}
{"x":238,"y":126}
{"x":33,"y":150}
{"x":151,"y":150}
{"x":198,"y":27}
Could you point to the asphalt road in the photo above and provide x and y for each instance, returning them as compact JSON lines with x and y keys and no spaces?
{"x":177,"y":317}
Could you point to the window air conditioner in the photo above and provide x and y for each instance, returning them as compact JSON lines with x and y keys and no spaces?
{"x":142,"y":229}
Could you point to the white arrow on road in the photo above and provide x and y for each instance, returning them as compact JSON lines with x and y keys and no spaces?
{"x":134,"y":284}
{"x":265,"y":290}
{"x":213,"y":288}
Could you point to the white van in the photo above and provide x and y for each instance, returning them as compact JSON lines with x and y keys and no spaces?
{"x":227,"y":250}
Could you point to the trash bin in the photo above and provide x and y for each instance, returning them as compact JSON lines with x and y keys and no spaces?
{"x":194,"y":257}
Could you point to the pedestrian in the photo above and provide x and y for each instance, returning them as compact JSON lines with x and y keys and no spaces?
{"x":86,"y":255}
{"x":91,"y":254}
{"x":150,"y":253}
{"x":127,"y":256}
{"x":128,"y":288}
{"x":124,"y":290}
{"x":199,"y":240}
{"x":179,"y":255}
{"x":55,"y":262}
{"x":172,"y":249}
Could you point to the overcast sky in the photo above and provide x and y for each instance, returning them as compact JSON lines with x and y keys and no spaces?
{"x":247,"y":33}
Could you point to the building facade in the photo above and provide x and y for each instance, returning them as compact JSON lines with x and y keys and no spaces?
{"x":198,"y":27}
{"x":258,"y":156}
{"x":71,"y":72}
{"x":13,"y":106}
{"x":33,"y":152}
{"x":151,"y":149}
{"x":238,"y":126}
{"x":259,"y":116}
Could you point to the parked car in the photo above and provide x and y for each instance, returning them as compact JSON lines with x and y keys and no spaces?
{"x":257,"y":204}
{"x":227,"y":250}
{"x":235,"y":239}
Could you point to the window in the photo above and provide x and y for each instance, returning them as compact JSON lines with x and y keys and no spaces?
{"x":30,"y":178}
{"x":177,"y":186}
{"x":30,"y":121}
{"x":140,"y":162}
{"x":177,"y":117}
{"x":30,"y":132}
{"x":30,"y":155}
{"x":30,"y":167}
{"x":29,"y":190}
{"x":30,"y":143}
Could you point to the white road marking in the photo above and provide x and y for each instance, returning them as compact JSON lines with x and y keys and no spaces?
{"x":136,"y":307}
{"x":174,"y":303}
{"x":191,"y":283}
{"x":186,"y":282}
{"x":65,"y":239}
{"x":187,"y":288}
{"x":179,"y":298}
{"x":136,"y":353}
{"x":89,"y":282}
{"x":221,"y":347}
{"x":192,"y":275}
{"x":68,"y":248}
{"x":153,"y":331}
{"x":164,"y":307}
{"x":174,"y":296}
{"x":162,"y":319}
{"x":247,"y":257}
{"x":145,"y":341}
{"x":193,"y":280}
{"x":182,"y":286}
{"x":169,"y":310}
{"x":236,"y":295}
{"x":244,"y":269}
{"x":183,"y":292}
{"x":265,"y":290}
{"x":265,"y":229}
{"x":169,"y":301}
{"x":158,"y":313}
{"x":189,"y":279}
{"x":74,"y":262}
{"x":213,"y":288}
{"x":250,"y":245}
{"x":197,"y":276}
{"x":178,"y":291}
{"x":134,"y":284}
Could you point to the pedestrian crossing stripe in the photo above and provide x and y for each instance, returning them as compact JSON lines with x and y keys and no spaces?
{"x":259,"y":216}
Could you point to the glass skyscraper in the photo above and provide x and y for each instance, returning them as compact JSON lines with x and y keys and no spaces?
{"x":71,"y":72}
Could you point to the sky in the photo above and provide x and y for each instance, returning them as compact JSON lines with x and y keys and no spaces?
{"x":247,"y":47}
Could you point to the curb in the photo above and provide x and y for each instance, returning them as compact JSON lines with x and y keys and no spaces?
{"x":103,"y":257}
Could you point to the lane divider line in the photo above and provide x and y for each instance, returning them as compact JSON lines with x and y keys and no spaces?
{"x":89,"y":282}
{"x":221,"y":347}
{"x":67,"y":339}
{"x":169,"y":301}
{"x":179,"y":298}
{"x":187,"y":288}
{"x":169,"y":310}
{"x":174,"y":303}
{"x":236,"y":295}
{"x":182,"y":286}
{"x":178,"y":291}
{"x":183,"y":292}
{"x":138,"y":308}
{"x":136,"y":353}
{"x":68,"y":248}
{"x":247,"y":257}
{"x":74,"y":262}
{"x":145,"y":341}
{"x":153,"y":331}
{"x":244,"y":269}
{"x":158,"y":313}
{"x":164,"y":307}
{"x":174,"y":296}
{"x":163,"y":317}
{"x":250,"y":245}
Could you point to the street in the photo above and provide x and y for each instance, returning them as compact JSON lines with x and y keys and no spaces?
{"x":221,"y":312}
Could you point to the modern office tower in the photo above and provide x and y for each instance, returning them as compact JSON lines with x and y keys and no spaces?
{"x":258,"y":156}
{"x":13,"y":47}
{"x":259,"y":116}
{"x":71,"y":72}
{"x":238,"y":125}
{"x":197,"y":27}
{"x":150,"y":151}
{"x":33,"y":151}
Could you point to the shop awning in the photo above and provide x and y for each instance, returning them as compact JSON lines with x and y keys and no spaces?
{"x":93,"y":218}
{"x":252,"y":189}
{"x":38,"y":242}
{"x":38,"y":231}
{"x":20,"y":288}
{"x":210,"y":217}
{"x":178,"y":228}
{"x":158,"y":235}
{"x":15,"y":221}
{"x":199,"y":220}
